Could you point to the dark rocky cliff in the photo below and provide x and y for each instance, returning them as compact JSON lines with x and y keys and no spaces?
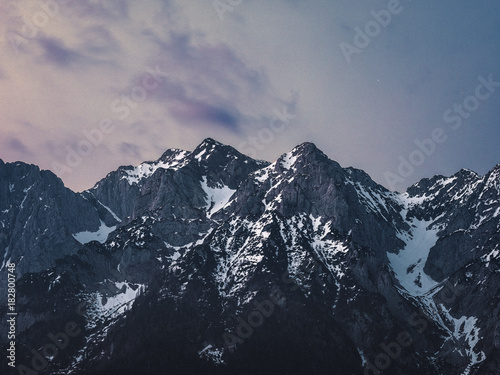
{"x":210,"y":261}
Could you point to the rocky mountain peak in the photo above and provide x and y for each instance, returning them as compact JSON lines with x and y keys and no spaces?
{"x":466,"y":175}
{"x":222,"y":164}
{"x":209,"y":143}
{"x":37,"y":216}
{"x":217,"y":259}
{"x":210,"y":149}
{"x":304,"y":158}
{"x":306,"y":147}
{"x":494,"y":176}
{"x":308,"y":151}
{"x":173,"y":154}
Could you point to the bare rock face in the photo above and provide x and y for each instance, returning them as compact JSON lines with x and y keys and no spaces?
{"x":212,"y":262}
{"x":39,"y":216}
{"x":464,"y":206}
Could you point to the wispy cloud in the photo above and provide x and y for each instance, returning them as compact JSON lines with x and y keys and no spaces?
{"x":188,"y":111}
{"x":101,"y":10}
{"x":226,"y":79}
{"x":130,"y":149}
{"x":98,"y":40}
{"x":18,"y":147}
{"x":55,"y":52}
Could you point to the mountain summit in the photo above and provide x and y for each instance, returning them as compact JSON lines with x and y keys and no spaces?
{"x":212,"y":262}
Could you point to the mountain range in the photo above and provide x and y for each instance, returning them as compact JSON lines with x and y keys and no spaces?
{"x":212,"y":262}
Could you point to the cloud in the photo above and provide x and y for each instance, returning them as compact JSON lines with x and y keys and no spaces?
{"x":98,"y":40}
{"x":105,"y":10}
{"x":16,"y":145}
{"x":197,"y":112}
{"x":229,"y":79}
{"x":130,"y":149}
{"x":55,"y":52}
{"x":209,"y":82}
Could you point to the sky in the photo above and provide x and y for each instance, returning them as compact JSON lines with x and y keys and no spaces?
{"x":401,"y":89}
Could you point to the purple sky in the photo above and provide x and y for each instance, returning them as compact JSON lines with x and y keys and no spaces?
{"x":87,"y":86}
